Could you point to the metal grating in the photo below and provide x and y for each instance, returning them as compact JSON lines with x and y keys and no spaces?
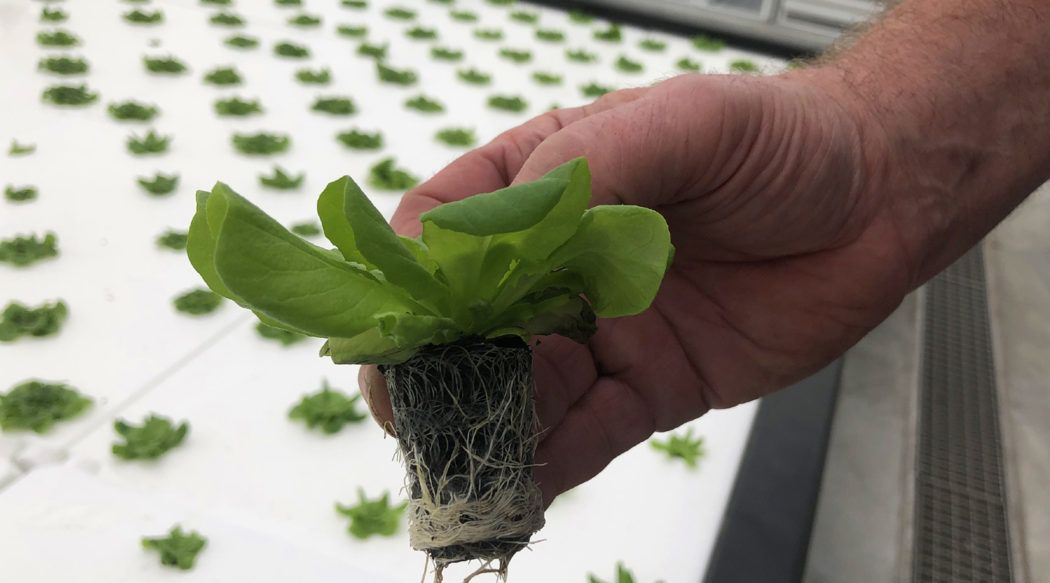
{"x":961,"y":531}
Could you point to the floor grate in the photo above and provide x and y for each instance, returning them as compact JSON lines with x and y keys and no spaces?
{"x":961,"y":531}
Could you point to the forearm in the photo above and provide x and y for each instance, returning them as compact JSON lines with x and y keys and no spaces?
{"x":960,"y":92}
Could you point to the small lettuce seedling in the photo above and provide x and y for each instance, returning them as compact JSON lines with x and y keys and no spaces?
{"x":580,"y":17}
{"x":622,"y":576}
{"x":25,"y":250}
{"x":280,"y":335}
{"x":488,"y":34}
{"x":261,"y":143}
{"x":328,"y":410}
{"x":685,"y":447}
{"x":19,"y":149}
{"x":581,"y":56}
{"x":743,"y":66}
{"x":18,"y":320}
{"x":400,"y":13}
{"x":512,"y":103}
{"x":223,"y":76}
{"x":385,"y":175}
{"x":20,"y":193}
{"x":462,"y":137}
{"x":516,"y":55}
{"x":197,"y":302}
{"x":334,"y":105}
{"x":314,"y":76}
{"x":373,"y":51}
{"x":291,"y":50}
{"x":38,"y":405}
{"x":550,"y":35}
{"x":374,"y":517}
{"x":474,"y":76}
{"x":159,"y":184}
{"x":226,"y":19}
{"x":53,"y":15}
{"x":216,"y":2}
{"x":502,"y":2}
{"x":237,"y":107}
{"x":463,"y":15}
{"x":63,"y":65}
{"x":352,"y":30}
{"x":612,"y":34}
{"x":138,"y":16}
{"x":306,"y":229}
{"x":595,"y":90}
{"x":421,"y":33}
{"x":355,"y":4}
{"x":169,"y":65}
{"x":241,"y":41}
{"x":708,"y":44}
{"x":151,"y":143}
{"x":286,"y":3}
{"x":446,"y":54}
{"x":652,"y":45}
{"x":279,"y":179}
{"x":626,"y":65}
{"x":305,"y":20}
{"x":155,"y":437}
{"x":69,"y":95}
{"x":544,"y":78}
{"x":356,"y":139}
{"x":689,"y":65}
{"x":132,"y":110}
{"x":57,"y":38}
{"x":525,"y":16}
{"x":172,"y":239}
{"x":388,"y":74}
{"x":177,"y":549}
{"x":424,"y":104}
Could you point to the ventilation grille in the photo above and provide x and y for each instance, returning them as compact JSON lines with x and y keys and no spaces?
{"x":961,"y":530}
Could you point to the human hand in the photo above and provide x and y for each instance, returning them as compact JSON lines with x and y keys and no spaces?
{"x":787,"y":252}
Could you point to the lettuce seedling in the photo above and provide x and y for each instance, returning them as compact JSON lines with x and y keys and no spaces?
{"x":237,"y":107}
{"x":53,"y":15}
{"x":138,"y":16}
{"x":151,"y":143}
{"x":288,"y":2}
{"x":374,"y":51}
{"x":305,"y":20}
{"x":490,"y":34}
{"x":400,"y":13}
{"x":19,"y":320}
{"x":421,"y":33}
{"x":291,"y":50}
{"x":164,"y":65}
{"x":708,"y":43}
{"x":223,"y":76}
{"x":385,"y":175}
{"x":282,"y":180}
{"x":328,"y":410}
{"x":69,"y":95}
{"x":241,"y":41}
{"x":502,"y":2}
{"x":627,"y":65}
{"x":178,"y":549}
{"x":57,"y":38}
{"x":525,"y":16}
{"x":743,"y":66}
{"x":132,"y":111}
{"x":172,"y":239}
{"x":217,"y":2}
{"x":595,"y":90}
{"x":17,"y":149}
{"x":474,"y":76}
{"x":464,"y":137}
{"x":20,"y":193}
{"x":360,"y":140}
{"x":159,"y":184}
{"x":280,"y":335}
{"x":544,"y":78}
{"x":443,"y":2}
{"x":306,"y":229}
{"x":424,"y":104}
{"x":515,"y":55}
{"x":550,"y":35}
{"x":334,"y":105}
{"x":37,"y":405}
{"x":612,"y":34}
{"x":446,"y":54}
{"x":261,"y":143}
{"x":352,"y":30}
{"x":25,"y":250}
{"x":463,"y":15}
{"x":388,"y":74}
{"x":309,"y":76}
{"x":687,"y":64}
{"x":374,"y":517}
{"x":580,"y":17}
{"x":155,"y":437}
{"x":684,"y":447}
{"x":355,"y":4}
{"x":622,"y":576}
{"x":226,"y":19}
{"x":63,"y":65}
{"x":581,"y":56}
{"x":197,"y":302}
{"x":508,"y":103}
{"x":652,"y":45}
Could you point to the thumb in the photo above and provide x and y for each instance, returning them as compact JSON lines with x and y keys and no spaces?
{"x":374,"y":392}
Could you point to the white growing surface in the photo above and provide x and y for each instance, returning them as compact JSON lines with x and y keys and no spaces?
{"x":125,"y":345}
